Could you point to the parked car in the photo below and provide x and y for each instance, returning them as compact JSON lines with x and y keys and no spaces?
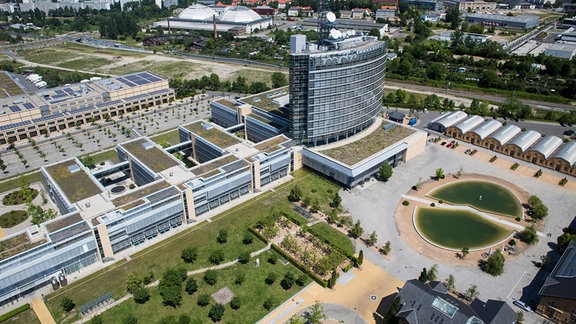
{"x":443,"y":143}
{"x":449,"y":145}
{"x":467,"y":151}
{"x":569,"y":132}
{"x":522,"y":305}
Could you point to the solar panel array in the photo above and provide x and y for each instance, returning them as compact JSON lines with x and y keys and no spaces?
{"x":138,"y":79}
{"x":18,"y":107}
{"x":14,"y":125}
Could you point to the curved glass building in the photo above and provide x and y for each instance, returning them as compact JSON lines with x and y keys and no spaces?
{"x":336,"y":90}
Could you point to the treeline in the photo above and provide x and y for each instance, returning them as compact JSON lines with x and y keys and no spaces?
{"x":185,"y":88}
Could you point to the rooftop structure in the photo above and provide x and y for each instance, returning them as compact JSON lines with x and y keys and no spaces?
{"x":565,"y":51}
{"x":567,"y":153}
{"x":443,"y":122}
{"x":525,"y":139}
{"x":50,"y":110}
{"x":431,"y":303}
{"x":520,"y":21}
{"x":212,"y":134}
{"x":150,"y":154}
{"x":558,"y":294}
{"x":469,"y":123}
{"x":546,"y":146}
{"x":487,"y":128}
{"x":505,"y":134}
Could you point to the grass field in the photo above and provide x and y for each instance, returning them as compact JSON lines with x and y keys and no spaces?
{"x":172,"y":137}
{"x":166,"y":254}
{"x":328,"y":233}
{"x":169,"y":69}
{"x":252,"y":293}
{"x":254,"y":76}
{"x":86,"y":64}
{"x":14,"y":182}
{"x":27,"y":316}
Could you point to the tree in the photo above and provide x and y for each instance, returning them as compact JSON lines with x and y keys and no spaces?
{"x":529,"y":235}
{"x":386,"y":248}
{"x":439,"y":173}
{"x":268,"y":303}
{"x":235,"y":303}
{"x":216,"y":312}
{"x":401,"y":95}
{"x":244,"y":257}
{"x":222,"y":236}
{"x":141,"y":295}
{"x":191,"y":286}
{"x":385,"y":172}
{"x":316,"y":314}
{"x":472,"y":293}
{"x":133,"y":282}
{"x":494,"y":265}
{"x":87,"y":161}
{"x":170,"y":286}
{"x":520,"y":318}
{"x":336,"y":200}
{"x":465,"y":250}
{"x":278,"y":80}
{"x":360,"y":259}
{"x":203,"y":300}
{"x":210,"y":277}
{"x":67,"y":304}
{"x":271,"y":278}
{"x":288,"y":280}
{"x":295,"y":194}
{"x":450,"y":283}
{"x":189,"y":254}
{"x":216,"y":257}
{"x":356,"y":230}
{"x":248,"y":238}
{"x":374,"y":32}
{"x":432,"y":273}
{"x":372,"y":239}
{"x":423,"y":275}
{"x":394,"y":309}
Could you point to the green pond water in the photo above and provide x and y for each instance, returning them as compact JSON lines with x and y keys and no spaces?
{"x":482,"y":195}
{"x":456,"y":229}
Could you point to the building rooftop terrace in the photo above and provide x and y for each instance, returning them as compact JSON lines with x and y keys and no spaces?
{"x":152,"y":156}
{"x":139,"y":194}
{"x":73,"y":181}
{"x":362,"y":148}
{"x":213,"y":134}
{"x":15,"y":245}
{"x":208,"y":168}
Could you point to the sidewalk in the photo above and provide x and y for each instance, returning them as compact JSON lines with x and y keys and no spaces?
{"x":42,"y":311}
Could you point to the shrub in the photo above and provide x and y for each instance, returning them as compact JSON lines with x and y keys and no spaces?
{"x":141,"y":295}
{"x":235,"y":302}
{"x":514,"y":166}
{"x":538,"y":173}
{"x":248,"y":238}
{"x":189,"y":254}
{"x":222,"y":236}
{"x":239,"y":279}
{"x":210,"y":277}
{"x":216,"y":312}
{"x":191,"y":286}
{"x":440,"y":201}
{"x":216,"y":257}
{"x":203,"y":300}
{"x":494,"y":158}
{"x":473,"y":152}
{"x":244,"y":257}
{"x":270,"y":278}
{"x":518,"y":218}
{"x":268,"y":304}
{"x":13,"y":218}
{"x":405,"y":203}
{"x":273,"y":258}
{"x":432,"y":205}
{"x":14,"y":312}
{"x":563,"y":182}
{"x":288,"y":281}
{"x":494,"y":265}
{"x":301,"y":280}
{"x":67,"y":304}
{"x":132,"y":186}
{"x":528,"y":235}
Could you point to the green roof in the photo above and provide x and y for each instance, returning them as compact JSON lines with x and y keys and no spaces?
{"x":270,"y":145}
{"x":213,"y":135}
{"x":17,"y":244}
{"x":153,"y":157}
{"x":369,"y":145}
{"x":139,"y":194}
{"x":263,"y":102}
{"x":208,"y":168}
{"x":76,"y":185}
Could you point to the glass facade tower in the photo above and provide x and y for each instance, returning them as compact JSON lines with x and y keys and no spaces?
{"x":336,"y":93}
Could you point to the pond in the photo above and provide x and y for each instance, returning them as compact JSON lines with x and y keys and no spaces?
{"x":482,"y":195}
{"x":455,"y":229}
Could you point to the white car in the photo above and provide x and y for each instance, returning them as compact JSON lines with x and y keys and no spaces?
{"x":522,"y":305}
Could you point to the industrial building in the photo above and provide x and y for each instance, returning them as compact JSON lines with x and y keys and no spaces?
{"x":233,"y":19}
{"x":51,"y":110}
{"x":518,"y":22}
{"x":528,"y":145}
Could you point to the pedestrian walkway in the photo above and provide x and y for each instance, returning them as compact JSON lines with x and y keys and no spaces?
{"x":42,"y":311}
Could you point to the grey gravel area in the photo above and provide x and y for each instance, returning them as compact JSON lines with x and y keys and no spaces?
{"x":375,"y":202}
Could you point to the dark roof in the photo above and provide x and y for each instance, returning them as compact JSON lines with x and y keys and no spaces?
{"x":431,"y":303}
{"x":494,"y":311}
{"x":562,"y":281}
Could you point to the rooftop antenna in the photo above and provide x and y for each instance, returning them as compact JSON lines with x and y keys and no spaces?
{"x":214,"y":22}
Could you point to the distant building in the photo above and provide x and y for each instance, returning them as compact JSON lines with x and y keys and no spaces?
{"x":432,"y":17}
{"x":558,"y":294}
{"x":386,"y":12}
{"x":519,"y":22}
{"x":265,"y":11}
{"x":361,"y":13}
{"x":424,"y":4}
{"x":46,"y":6}
{"x":432,"y":303}
{"x":565,"y":51}
{"x":463,"y":6}
{"x":301,"y":11}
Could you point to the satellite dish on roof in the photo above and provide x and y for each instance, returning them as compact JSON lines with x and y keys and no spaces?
{"x":331,"y":17}
{"x":335,"y":34}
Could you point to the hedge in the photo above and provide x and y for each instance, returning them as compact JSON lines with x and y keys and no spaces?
{"x":14,"y":312}
{"x":258,"y":235}
{"x":325,"y":240}
{"x":300,"y":266}
{"x":295,"y":218}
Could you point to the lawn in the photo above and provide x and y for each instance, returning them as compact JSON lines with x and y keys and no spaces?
{"x":109,"y":155}
{"x":171,"y":138}
{"x":168,"y":69}
{"x":252,"y":293}
{"x":340,"y":240}
{"x":14,"y":182}
{"x":28,"y":316}
{"x":17,"y":197}
{"x":13,"y":218}
{"x":166,"y":254}
{"x":252,"y":76}
{"x":47,"y":55}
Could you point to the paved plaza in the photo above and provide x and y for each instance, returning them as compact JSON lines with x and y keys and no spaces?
{"x":374,"y":204}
